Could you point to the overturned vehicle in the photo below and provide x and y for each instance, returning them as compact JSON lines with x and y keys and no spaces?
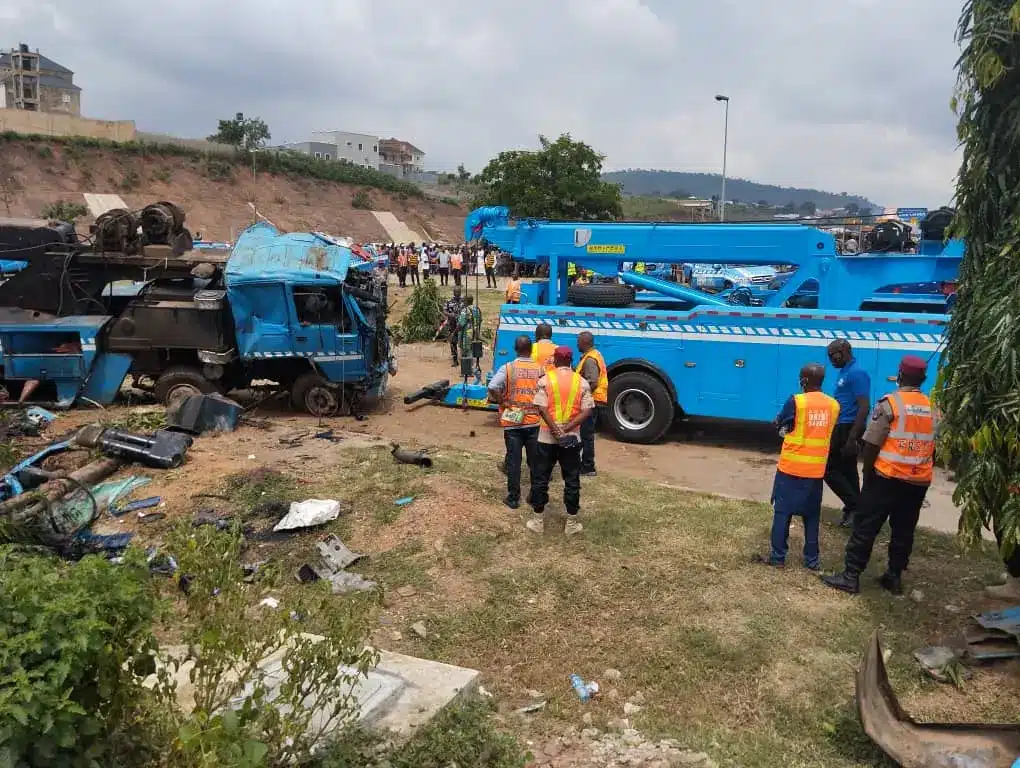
{"x":300,"y":312}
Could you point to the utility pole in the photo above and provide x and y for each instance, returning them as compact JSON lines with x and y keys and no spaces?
{"x":726,"y":135}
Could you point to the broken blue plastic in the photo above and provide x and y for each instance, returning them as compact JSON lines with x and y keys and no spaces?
{"x":104,"y":542}
{"x":39,"y":415}
{"x":133,"y":506}
{"x":404,"y":501}
{"x":1007,"y":621}
{"x":10,"y":485}
{"x":74,"y":511}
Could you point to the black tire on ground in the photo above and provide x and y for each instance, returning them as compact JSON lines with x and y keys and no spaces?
{"x":314,"y":395}
{"x":640,"y":407}
{"x":181,"y":381}
{"x":601,"y":295}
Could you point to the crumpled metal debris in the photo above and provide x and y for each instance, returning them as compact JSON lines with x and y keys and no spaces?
{"x":334,"y":558}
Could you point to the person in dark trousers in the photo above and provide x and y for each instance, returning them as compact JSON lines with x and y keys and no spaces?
{"x":593,"y":370}
{"x":564,"y":401}
{"x":513,"y":387}
{"x":469,"y":329}
{"x":457,"y":265}
{"x":852,"y":392}
{"x":806,"y":422}
{"x":412,"y":265}
{"x":444,"y":266}
{"x":402,"y":266}
{"x":451,"y":312}
{"x":898,"y":454}
{"x":490,"y":268}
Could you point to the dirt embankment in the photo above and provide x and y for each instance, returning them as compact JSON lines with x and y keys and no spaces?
{"x":214,"y":194}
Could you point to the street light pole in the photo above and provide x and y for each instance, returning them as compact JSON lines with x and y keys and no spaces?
{"x":726,"y":137}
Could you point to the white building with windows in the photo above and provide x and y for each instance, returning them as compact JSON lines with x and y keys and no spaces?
{"x":358,"y":148}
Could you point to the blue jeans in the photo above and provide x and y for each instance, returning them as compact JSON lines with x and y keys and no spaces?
{"x":795,"y":497}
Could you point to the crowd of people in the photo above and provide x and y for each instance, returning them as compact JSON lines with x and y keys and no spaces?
{"x":414,"y":262}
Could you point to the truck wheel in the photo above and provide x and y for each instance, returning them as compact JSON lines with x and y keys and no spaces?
{"x":601,"y":295}
{"x":315,"y":395}
{"x":181,"y":381}
{"x":640,"y":408}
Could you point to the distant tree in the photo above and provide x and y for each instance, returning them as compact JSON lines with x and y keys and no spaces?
{"x":463,"y":174}
{"x":562,"y":180}
{"x":807,"y":208}
{"x":790,"y":207}
{"x":763,"y":203}
{"x":853,"y":209}
{"x":10,"y":184}
{"x":680,"y":194}
{"x":242,"y":132}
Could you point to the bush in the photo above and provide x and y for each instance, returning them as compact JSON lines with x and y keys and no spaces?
{"x":131,"y":180}
{"x":361,"y":200}
{"x":73,"y":635}
{"x":64,"y":211}
{"x":162,"y":174}
{"x":425,"y":315}
{"x":44,"y":152}
{"x":449,"y":201}
{"x":219,"y":169}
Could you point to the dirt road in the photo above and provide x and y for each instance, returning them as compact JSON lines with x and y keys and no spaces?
{"x":731,"y":458}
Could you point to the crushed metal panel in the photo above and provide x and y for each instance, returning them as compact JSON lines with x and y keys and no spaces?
{"x":1007,"y":621}
{"x":926,"y":745}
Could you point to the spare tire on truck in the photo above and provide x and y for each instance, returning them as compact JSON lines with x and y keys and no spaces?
{"x":601,"y":295}
{"x":640,"y":408}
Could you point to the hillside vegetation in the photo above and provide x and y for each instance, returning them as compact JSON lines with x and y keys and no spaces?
{"x":705,"y":185}
{"x":295,"y":192}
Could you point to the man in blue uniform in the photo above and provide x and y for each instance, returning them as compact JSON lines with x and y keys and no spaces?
{"x":852,"y":392}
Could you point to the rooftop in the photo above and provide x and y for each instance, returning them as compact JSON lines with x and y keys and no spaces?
{"x":262,"y":253}
{"x":45,"y":63}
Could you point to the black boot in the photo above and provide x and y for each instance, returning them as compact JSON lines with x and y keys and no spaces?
{"x":845,"y":582}
{"x":848,"y":519}
{"x":891,"y":582}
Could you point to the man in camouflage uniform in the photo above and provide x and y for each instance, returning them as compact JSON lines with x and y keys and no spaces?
{"x":469,"y":327}
{"x":451,"y":314}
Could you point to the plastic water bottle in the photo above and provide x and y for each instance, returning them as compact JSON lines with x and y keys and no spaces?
{"x":583,"y":690}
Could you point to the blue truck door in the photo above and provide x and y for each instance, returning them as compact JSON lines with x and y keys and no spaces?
{"x":261,"y":320}
{"x":327,"y":332}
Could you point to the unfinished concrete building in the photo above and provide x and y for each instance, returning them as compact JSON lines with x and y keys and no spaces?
{"x":35,"y":83}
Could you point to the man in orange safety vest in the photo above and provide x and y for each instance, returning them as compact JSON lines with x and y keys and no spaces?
{"x":899,"y":457}
{"x":564,"y":400}
{"x":513,"y":386}
{"x":543,"y":348}
{"x":806,"y":423}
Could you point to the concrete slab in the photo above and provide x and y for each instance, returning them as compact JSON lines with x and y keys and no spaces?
{"x":99,"y":204}
{"x":399,"y":696}
{"x":398,"y":231}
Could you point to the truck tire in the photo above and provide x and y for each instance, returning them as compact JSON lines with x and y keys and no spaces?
{"x":601,"y":295}
{"x":640,"y":408}
{"x":181,"y":381}
{"x":314,"y":395}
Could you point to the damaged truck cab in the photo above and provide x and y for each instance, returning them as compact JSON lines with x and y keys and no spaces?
{"x":299,"y":312}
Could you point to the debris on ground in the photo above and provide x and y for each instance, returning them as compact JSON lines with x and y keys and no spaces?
{"x":626,"y":747}
{"x":328,"y":435}
{"x":406,"y":456}
{"x":921,"y":745}
{"x":162,"y":449}
{"x":407,"y":591}
{"x":150,"y":517}
{"x":334,"y":558}
{"x":585,"y":690}
{"x":308,"y":514}
{"x":404,"y":501}
{"x":613,"y":675}
{"x":197,"y":414}
{"x":420,"y":629}
{"x":943,"y":664}
{"x":998,"y":636}
{"x":133,"y":506}
{"x":529,"y":709}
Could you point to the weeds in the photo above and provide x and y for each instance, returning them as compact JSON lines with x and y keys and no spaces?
{"x":164,"y":174}
{"x":361,"y":200}
{"x":246,"y":489}
{"x":64,"y":211}
{"x":425,"y":314}
{"x":138,"y":420}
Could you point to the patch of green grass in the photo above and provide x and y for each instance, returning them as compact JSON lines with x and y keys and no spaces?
{"x":476,"y":549}
{"x":406,"y":564}
{"x":148,"y":420}
{"x":246,"y":489}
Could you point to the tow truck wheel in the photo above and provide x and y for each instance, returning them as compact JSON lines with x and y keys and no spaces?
{"x":640,"y":408}
{"x":181,"y":381}
{"x":314,"y":394}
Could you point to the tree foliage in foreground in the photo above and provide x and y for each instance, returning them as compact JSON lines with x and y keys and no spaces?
{"x":562,"y":180}
{"x":979,"y":388}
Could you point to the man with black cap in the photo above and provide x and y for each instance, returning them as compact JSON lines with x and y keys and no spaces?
{"x":898,"y":457}
{"x":563,"y":399}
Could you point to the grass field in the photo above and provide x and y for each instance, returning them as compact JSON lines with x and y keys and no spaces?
{"x":752,"y":665}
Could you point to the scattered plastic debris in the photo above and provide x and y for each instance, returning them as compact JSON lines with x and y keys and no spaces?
{"x":329,"y":435}
{"x":39,"y":417}
{"x":586,"y":691}
{"x":133,"y":506}
{"x":270,"y":602}
{"x":196,"y":414}
{"x":335,"y":557}
{"x":529,"y":709}
{"x":150,"y":517}
{"x":943,"y":664}
{"x":403,"y":502}
{"x":308,"y":513}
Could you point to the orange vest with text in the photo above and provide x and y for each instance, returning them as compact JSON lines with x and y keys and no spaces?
{"x":600,"y":393}
{"x":542,"y":353}
{"x":909,"y":451}
{"x":563,"y":387}
{"x":517,"y":409}
{"x":806,"y":446}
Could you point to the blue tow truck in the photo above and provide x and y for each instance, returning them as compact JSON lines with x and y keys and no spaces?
{"x":675,"y":351}
{"x":294,"y":311}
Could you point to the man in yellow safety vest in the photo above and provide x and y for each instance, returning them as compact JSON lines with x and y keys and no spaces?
{"x":513,"y":386}
{"x":592,"y":369}
{"x":563,"y":398}
{"x":513,"y":289}
{"x":806,"y":423}
{"x":542,"y":351}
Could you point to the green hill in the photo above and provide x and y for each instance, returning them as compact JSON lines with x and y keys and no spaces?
{"x":704,"y":185}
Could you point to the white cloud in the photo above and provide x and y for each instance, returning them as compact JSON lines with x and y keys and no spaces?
{"x":851,"y":96}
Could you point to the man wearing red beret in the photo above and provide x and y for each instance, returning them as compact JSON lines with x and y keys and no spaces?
{"x":898,"y":457}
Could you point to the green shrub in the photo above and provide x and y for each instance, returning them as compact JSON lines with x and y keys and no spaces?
{"x":44,"y":151}
{"x":73,"y":636}
{"x":218,"y":169}
{"x":361,"y":200}
{"x":164,"y":174}
{"x":425,"y":314}
{"x":449,"y":201}
{"x":64,"y":211}
{"x":131,"y":180}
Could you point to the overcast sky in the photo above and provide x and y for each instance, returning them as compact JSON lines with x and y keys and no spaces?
{"x":851,"y":96}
